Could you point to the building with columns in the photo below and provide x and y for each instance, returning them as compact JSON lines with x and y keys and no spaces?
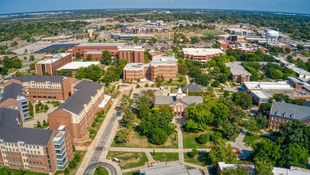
{"x":179,"y":101}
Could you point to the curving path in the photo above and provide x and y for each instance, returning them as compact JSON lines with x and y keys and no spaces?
{"x":111,"y":168}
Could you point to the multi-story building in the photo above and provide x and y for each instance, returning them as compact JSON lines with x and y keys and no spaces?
{"x":201,"y":54}
{"x":27,"y":148}
{"x":13,"y":97}
{"x":281,"y":113}
{"x":95,"y":48}
{"x":44,"y":87}
{"x":50,"y":64}
{"x":238,"y":72}
{"x":164,"y":67}
{"x":131,"y":54}
{"x":179,"y":101}
{"x":78,"y":111}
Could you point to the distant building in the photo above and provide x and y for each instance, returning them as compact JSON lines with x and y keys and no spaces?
{"x":178,"y":101}
{"x":201,"y":54}
{"x":173,"y":168}
{"x":240,"y":31}
{"x":282,"y":113}
{"x":43,"y":87}
{"x":79,"y":111}
{"x":165,"y":67}
{"x":238,"y":72}
{"x":50,"y":64}
{"x":93,"y":51}
{"x":127,"y":36}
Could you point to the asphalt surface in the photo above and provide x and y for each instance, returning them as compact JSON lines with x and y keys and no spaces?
{"x":111,"y":169}
{"x":94,"y":161}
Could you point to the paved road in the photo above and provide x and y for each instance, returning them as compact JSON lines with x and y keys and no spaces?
{"x":111,"y":168}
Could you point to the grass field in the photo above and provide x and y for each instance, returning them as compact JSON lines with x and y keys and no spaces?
{"x":166,"y":157}
{"x":137,"y":141}
{"x":129,"y":160}
{"x":250,"y":139}
{"x":201,"y":159}
{"x":132,"y":173}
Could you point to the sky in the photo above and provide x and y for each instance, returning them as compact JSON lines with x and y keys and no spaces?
{"x":295,"y":6}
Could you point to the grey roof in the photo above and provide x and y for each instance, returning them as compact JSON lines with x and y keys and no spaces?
{"x":168,"y":169}
{"x":12,"y":91}
{"x":33,"y":136}
{"x":167,"y":100}
{"x":85,"y":89}
{"x":9,"y":118}
{"x":40,"y":78}
{"x":291,"y":111}
{"x":193,"y":87}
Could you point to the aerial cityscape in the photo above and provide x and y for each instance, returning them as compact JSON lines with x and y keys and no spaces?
{"x":145,"y":87}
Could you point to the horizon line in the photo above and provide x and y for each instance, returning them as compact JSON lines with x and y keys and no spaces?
{"x":148,"y":8}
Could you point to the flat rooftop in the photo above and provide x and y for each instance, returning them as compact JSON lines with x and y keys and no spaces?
{"x":163,"y":60}
{"x":133,"y":48}
{"x":100,"y":44}
{"x":201,"y":51}
{"x":237,"y":69}
{"x":78,"y":64}
{"x":280,"y":85}
{"x":135,"y":66}
{"x":57,"y":57}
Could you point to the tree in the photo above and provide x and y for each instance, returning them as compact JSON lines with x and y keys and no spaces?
{"x":106,"y":58}
{"x":128,"y":119}
{"x":242,"y":99}
{"x":195,"y":39}
{"x":237,"y":171}
{"x":122,"y":136}
{"x":263,"y":167}
{"x":221,"y":152}
{"x":39,"y":124}
{"x":230,"y":130}
{"x":93,"y":72}
{"x":216,"y":83}
{"x":193,"y":153}
{"x":295,"y":132}
{"x":267,"y":150}
{"x":295,"y":155}
{"x":78,"y":56}
{"x":203,"y":138}
{"x":221,"y":113}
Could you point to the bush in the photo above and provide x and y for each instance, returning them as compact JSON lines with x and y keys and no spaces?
{"x":203,"y":138}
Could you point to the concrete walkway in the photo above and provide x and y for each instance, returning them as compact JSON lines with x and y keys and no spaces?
{"x":179,"y":121}
{"x":245,"y":150}
{"x":149,"y":156}
{"x":158,"y":150}
{"x":132,"y":169}
{"x":203,"y":168}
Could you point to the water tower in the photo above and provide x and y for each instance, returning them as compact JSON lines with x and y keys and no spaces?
{"x":272,"y":37}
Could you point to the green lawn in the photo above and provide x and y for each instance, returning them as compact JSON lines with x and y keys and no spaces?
{"x":137,"y":141}
{"x":129,"y":160}
{"x":7,"y":171}
{"x":201,"y":159}
{"x":166,"y":157}
{"x":101,"y":171}
{"x":132,"y":173}
{"x":251,"y":139}
{"x":190,"y":142}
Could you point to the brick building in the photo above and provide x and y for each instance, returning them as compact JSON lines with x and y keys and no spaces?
{"x":78,"y":112}
{"x":238,"y":72}
{"x":93,"y":51}
{"x":201,"y":54}
{"x":30,"y":148}
{"x":281,"y":113}
{"x":44,"y":87}
{"x":131,"y":54}
{"x":13,"y":97}
{"x":165,"y":67}
{"x":50,"y":64}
